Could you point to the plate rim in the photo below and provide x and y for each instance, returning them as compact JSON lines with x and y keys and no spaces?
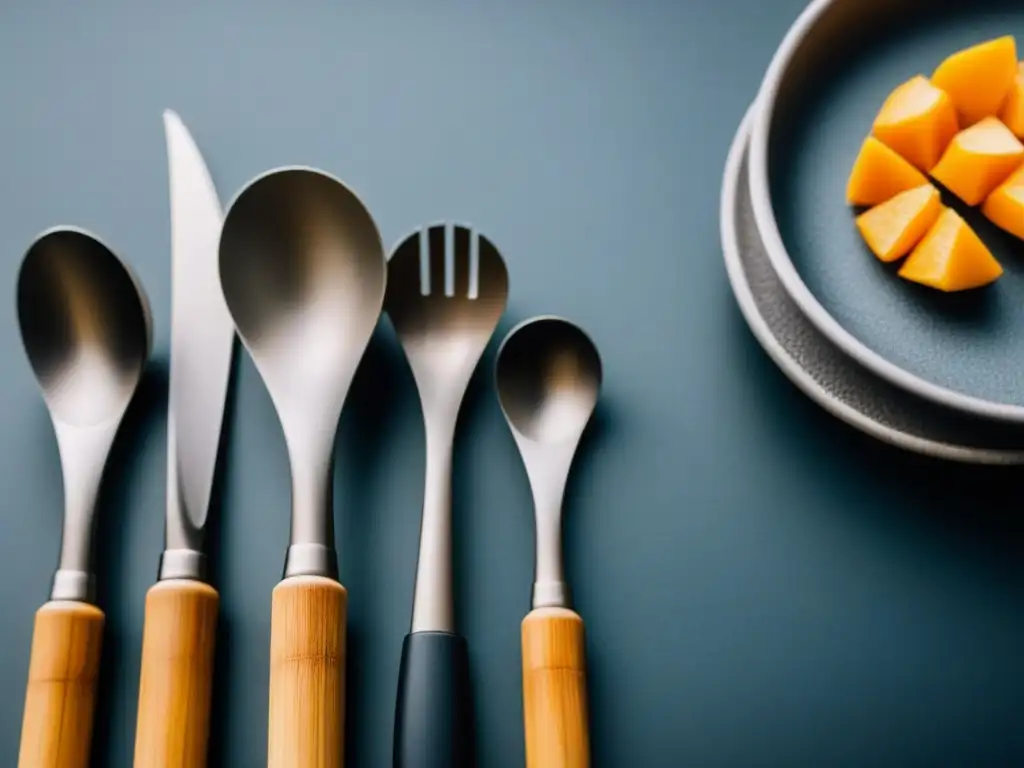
{"x":790,"y":367}
{"x":784,"y":267}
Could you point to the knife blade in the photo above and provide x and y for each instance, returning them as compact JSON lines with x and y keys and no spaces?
{"x":181,"y":608}
{"x":202,"y":343}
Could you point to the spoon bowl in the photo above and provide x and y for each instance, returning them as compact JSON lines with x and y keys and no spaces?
{"x":85,"y":325}
{"x":303,"y":275}
{"x":548,"y":379}
{"x":86,"y":328}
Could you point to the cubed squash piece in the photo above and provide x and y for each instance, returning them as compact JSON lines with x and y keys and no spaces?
{"x":978,"y":160}
{"x":891,"y":229}
{"x":918,"y":121}
{"x":1012,"y":113}
{"x":978,"y":79}
{"x":1005,"y":206}
{"x":951,"y":257}
{"x":879,"y":173}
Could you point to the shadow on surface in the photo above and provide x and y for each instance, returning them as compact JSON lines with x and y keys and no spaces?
{"x":477,"y":400}
{"x":224,"y":672}
{"x":572,"y":518}
{"x":381,"y":381}
{"x":466,"y":516}
{"x":950,"y":508}
{"x":599,"y":429}
{"x":148,"y":405}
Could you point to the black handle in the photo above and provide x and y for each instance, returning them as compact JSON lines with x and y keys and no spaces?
{"x":433,"y":714}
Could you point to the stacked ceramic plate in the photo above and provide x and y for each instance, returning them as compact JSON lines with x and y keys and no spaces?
{"x":937,"y":373}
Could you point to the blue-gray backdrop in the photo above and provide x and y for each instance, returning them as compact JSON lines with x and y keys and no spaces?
{"x":762,"y":586}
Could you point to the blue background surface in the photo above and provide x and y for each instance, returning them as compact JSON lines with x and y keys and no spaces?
{"x":762,"y":586}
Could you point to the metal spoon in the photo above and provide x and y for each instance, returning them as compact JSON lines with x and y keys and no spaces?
{"x":85,"y":325}
{"x":548,"y":376}
{"x":444,"y":306}
{"x":303,"y":273}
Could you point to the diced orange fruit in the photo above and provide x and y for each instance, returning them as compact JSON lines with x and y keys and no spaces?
{"x":1012,"y":113}
{"x":951,"y":257}
{"x":1005,"y":206}
{"x":978,"y":160}
{"x":879,"y":173}
{"x":891,"y":229}
{"x":979,"y":78}
{"x":917,"y":120}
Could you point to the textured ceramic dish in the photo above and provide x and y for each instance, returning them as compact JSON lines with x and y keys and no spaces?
{"x":820,"y":369}
{"x":822,"y":90}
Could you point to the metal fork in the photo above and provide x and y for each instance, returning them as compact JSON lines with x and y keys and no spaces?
{"x":447,"y":288}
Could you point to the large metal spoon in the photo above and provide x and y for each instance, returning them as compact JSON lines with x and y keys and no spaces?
{"x":85,"y":325}
{"x":444,"y":305}
{"x":303,"y":271}
{"x":548,"y":376}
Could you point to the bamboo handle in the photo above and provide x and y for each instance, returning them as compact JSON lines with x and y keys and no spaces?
{"x":307,"y":674}
{"x":555,"y":689}
{"x":178,"y":641}
{"x":56,"y":731}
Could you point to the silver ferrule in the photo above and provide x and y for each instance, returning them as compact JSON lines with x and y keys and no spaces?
{"x":550,"y":594}
{"x":310,"y":560}
{"x":182,"y":564}
{"x":79,"y":586}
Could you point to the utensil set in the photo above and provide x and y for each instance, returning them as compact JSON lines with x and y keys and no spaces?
{"x":295,"y":265}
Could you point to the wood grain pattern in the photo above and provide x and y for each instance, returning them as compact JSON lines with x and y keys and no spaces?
{"x":307,"y":674}
{"x":175,"y":685}
{"x":56,"y":731}
{"x":555,"y":689}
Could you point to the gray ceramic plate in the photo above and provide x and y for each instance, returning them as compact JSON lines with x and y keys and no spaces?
{"x":824,"y":86}
{"x":820,"y":369}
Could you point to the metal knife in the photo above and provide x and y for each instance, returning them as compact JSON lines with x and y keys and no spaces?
{"x":181,"y":608}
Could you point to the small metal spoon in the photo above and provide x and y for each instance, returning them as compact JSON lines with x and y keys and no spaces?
{"x":85,"y":325}
{"x":548,"y":376}
{"x":444,"y":306}
{"x":303,"y":271}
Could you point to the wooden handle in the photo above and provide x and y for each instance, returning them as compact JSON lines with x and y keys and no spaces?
{"x":307,"y":674}
{"x":57,"y":728}
{"x":555,"y":689}
{"x":178,"y":641}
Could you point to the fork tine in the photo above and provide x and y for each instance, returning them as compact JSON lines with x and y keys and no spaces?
{"x":461,"y":236}
{"x":474,"y":265}
{"x":435,"y":257}
{"x":423,"y":260}
{"x":449,"y":260}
